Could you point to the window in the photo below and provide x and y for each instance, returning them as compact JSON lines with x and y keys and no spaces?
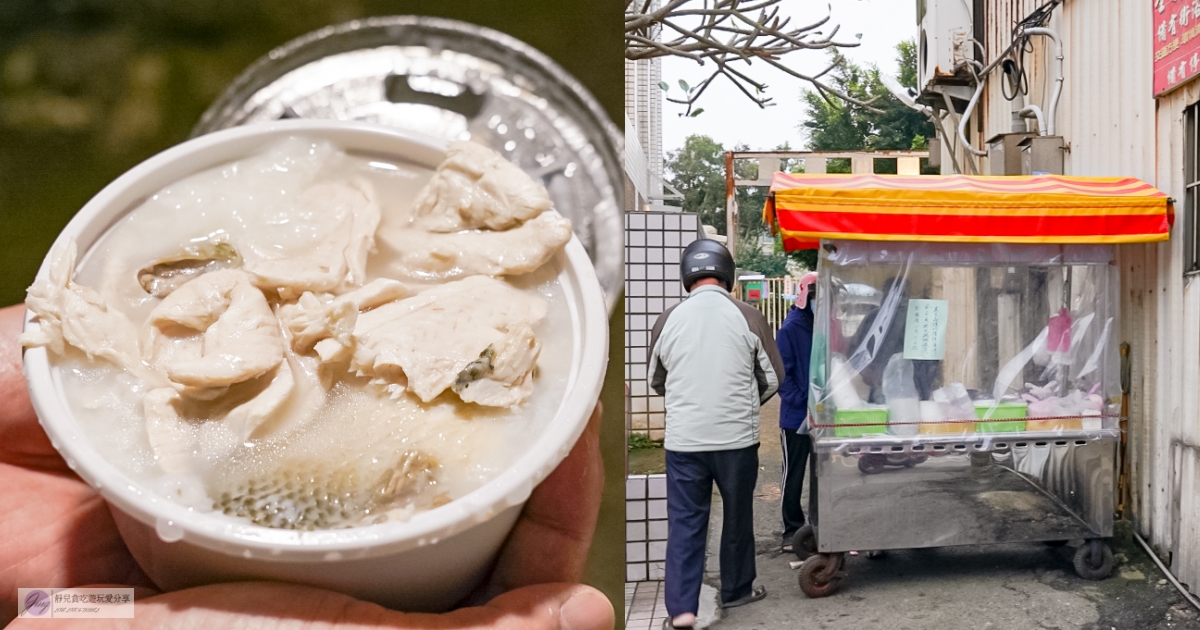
{"x":1191,"y":176}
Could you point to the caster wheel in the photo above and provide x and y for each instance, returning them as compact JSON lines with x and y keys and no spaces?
{"x":1054,"y":543}
{"x":821,"y":574}
{"x":804,"y":542}
{"x":1094,"y":560}
{"x":875,"y":555}
{"x":871,"y":464}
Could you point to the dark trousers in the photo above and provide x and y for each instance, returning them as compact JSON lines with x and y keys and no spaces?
{"x":690,"y":477}
{"x":796,"y":449}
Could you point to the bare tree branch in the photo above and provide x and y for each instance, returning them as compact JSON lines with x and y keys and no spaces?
{"x":724,"y":32}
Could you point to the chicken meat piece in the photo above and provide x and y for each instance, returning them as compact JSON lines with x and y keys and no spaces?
{"x":336,"y":224}
{"x":476,"y":188}
{"x":75,"y":315}
{"x":214,"y":332}
{"x":314,"y":318}
{"x":474,"y":336}
{"x":421,"y":255}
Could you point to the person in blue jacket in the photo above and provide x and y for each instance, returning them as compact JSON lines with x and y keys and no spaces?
{"x":795,"y":346}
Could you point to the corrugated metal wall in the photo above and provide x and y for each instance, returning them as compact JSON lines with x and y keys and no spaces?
{"x":1114,"y":126}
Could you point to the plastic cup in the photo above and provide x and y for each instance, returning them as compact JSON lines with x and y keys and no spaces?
{"x":428,"y":563}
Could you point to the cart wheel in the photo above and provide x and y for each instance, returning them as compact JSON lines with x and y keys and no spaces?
{"x":1094,"y":560}
{"x":819,"y":574}
{"x":871,"y":464}
{"x":804,"y":542}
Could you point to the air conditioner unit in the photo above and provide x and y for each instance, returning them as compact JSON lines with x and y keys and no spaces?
{"x":944,"y":43}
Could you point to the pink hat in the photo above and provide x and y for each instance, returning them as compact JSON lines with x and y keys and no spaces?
{"x":807,"y":280}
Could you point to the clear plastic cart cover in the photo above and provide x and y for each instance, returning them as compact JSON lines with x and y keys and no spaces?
{"x":934,"y":339}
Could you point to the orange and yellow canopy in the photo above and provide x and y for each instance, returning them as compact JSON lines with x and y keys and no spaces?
{"x":966,"y":209}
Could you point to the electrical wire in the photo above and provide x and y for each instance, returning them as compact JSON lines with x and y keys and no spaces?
{"x":1021,"y":46}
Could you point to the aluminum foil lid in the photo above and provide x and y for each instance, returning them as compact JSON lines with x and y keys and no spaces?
{"x":458,"y":81}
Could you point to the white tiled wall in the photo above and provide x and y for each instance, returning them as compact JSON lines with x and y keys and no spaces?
{"x":653,"y":243}
{"x":645,"y":527}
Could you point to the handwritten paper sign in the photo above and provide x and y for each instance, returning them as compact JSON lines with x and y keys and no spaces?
{"x":925,"y":330}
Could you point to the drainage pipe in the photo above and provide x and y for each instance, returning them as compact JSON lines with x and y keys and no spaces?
{"x":1035,"y":112}
{"x":1052,"y":108}
{"x":966,"y":118}
{"x":1178,"y":586}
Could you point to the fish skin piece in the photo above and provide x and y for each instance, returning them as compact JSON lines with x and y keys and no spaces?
{"x":476,"y":188}
{"x":314,"y":318}
{"x":510,"y":381}
{"x":72,"y":314}
{"x":170,"y":439}
{"x":240,"y":337}
{"x":421,"y":255}
{"x":347,"y":216}
{"x":432,"y":337}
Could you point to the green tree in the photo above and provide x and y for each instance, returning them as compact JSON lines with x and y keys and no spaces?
{"x":844,"y":126}
{"x":697,"y":171}
{"x":751,"y":257}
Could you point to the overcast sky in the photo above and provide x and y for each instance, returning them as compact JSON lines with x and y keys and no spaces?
{"x":729,"y":117}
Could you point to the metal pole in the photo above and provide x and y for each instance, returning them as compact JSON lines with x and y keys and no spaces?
{"x":730,"y":206}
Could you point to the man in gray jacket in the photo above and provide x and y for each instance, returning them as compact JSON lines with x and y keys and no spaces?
{"x":714,"y":359}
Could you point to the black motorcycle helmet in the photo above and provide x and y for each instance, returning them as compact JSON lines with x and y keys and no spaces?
{"x":706,"y":258}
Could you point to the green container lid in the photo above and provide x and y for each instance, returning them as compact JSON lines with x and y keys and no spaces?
{"x":874,"y":419}
{"x":1002,"y":411}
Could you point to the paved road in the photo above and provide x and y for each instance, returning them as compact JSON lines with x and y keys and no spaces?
{"x":996,"y":587}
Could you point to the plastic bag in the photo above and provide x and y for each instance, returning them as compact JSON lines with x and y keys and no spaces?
{"x":956,"y":402}
{"x":900,"y":394}
{"x":841,"y":385}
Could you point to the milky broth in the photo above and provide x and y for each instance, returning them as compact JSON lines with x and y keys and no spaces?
{"x":358,"y":423}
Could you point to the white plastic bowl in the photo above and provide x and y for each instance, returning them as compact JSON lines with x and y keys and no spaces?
{"x":428,"y":563}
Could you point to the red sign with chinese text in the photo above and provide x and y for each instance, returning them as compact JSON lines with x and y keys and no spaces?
{"x":1176,"y":43}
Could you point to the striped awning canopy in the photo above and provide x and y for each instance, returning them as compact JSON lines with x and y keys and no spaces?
{"x":966,"y":209}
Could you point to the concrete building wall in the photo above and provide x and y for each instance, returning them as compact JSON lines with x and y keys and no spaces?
{"x":643,"y":108}
{"x":637,"y":173}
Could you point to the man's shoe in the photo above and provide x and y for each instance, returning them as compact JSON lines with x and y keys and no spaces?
{"x":668,"y":625}
{"x":757,"y":593}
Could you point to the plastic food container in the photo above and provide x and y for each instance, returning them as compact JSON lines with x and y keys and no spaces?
{"x":947,"y":428}
{"x":875,"y":420}
{"x":1002,"y":411}
{"x":933,"y":421}
{"x":452,"y":80}
{"x":1054,"y":424}
{"x":428,"y":563}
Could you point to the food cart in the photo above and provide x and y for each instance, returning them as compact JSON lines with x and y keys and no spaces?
{"x":964,"y":379}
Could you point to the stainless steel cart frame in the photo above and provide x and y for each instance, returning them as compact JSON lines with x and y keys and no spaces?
{"x":878,"y":493}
